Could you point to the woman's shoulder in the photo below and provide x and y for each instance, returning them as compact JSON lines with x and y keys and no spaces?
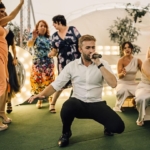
{"x":121,"y":59}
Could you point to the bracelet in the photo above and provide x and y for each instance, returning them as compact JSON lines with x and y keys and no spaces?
{"x":100,"y":65}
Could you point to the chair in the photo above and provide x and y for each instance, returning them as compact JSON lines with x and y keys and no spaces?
{"x":129,"y":102}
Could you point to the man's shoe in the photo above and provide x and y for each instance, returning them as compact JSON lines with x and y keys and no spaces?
{"x":64,"y":139}
{"x":108,"y":133}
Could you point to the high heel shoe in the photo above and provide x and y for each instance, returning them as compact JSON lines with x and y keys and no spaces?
{"x":140,"y":123}
{"x":52,"y":110}
{"x":39,"y":104}
{"x":9,"y":107}
{"x":3,"y":127}
{"x":5,"y":119}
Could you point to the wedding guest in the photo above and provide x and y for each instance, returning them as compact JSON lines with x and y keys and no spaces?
{"x":86,"y":101}
{"x":42,"y":73}
{"x":12,"y":62}
{"x":65,"y":47}
{"x":127,"y":67}
{"x":4,"y":77}
{"x":142,"y":93}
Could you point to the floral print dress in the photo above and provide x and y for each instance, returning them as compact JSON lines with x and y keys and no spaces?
{"x":42,"y":73}
{"x":67,"y":48}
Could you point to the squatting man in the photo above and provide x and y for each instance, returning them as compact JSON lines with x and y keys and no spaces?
{"x":87,"y":76}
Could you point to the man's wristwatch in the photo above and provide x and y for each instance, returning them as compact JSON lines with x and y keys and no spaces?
{"x":100,"y":65}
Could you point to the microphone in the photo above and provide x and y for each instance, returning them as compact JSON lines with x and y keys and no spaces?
{"x":94,"y":56}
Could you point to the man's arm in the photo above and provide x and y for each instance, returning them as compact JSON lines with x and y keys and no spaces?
{"x":109,"y":77}
{"x":48,"y":91}
{"x":57,"y":85}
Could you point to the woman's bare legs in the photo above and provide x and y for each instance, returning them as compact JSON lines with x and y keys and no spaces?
{"x":39,"y":104}
{"x":53,"y":101}
{"x":3,"y":116}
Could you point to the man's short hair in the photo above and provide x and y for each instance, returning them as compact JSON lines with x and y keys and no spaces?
{"x":59,"y":19}
{"x":2,"y":5}
{"x":86,"y":38}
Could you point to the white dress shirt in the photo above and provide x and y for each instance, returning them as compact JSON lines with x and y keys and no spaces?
{"x":87,"y":82}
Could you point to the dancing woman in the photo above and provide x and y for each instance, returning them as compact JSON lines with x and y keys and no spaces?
{"x":42,"y":73}
{"x":65,"y":47}
{"x":4,"y":77}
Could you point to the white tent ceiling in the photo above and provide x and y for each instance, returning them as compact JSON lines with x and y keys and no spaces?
{"x":84,"y":14}
{"x":46,"y":9}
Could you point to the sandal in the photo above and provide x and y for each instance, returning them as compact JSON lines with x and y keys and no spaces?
{"x":9,"y":107}
{"x":53,"y":109}
{"x":140,"y":123}
{"x":3,"y":127}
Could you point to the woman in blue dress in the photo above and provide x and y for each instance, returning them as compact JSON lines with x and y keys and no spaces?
{"x":42,"y":73}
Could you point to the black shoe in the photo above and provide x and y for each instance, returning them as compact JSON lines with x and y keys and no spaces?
{"x":64,"y":139}
{"x":108,"y":133}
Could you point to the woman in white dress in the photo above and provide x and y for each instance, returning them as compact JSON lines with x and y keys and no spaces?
{"x":143,"y":90}
{"x":127,"y":68}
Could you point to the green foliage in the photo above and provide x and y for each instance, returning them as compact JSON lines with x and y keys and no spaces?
{"x":16,"y":30}
{"x":137,"y":13}
{"x":122,"y":31}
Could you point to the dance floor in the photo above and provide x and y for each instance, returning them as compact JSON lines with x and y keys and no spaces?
{"x":38,"y":129}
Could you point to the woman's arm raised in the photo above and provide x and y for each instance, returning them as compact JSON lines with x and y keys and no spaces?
{"x":12,"y":15}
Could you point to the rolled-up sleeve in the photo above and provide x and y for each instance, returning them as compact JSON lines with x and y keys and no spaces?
{"x":63,"y":78}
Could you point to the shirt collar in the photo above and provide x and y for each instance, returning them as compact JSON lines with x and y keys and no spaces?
{"x":81,"y":63}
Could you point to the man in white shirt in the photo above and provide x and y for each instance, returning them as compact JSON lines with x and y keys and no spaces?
{"x":87,"y":76}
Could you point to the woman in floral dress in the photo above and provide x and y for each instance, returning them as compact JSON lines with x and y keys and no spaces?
{"x":42,"y":73}
{"x":65,"y":47}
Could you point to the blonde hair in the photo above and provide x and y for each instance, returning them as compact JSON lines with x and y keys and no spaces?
{"x":85,"y":38}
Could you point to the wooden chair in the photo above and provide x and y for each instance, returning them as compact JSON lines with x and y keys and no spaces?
{"x":129,"y":102}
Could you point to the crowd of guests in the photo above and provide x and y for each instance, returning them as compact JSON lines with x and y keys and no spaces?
{"x":76,"y":68}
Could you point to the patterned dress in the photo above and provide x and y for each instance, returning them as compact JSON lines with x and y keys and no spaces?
{"x":67,"y":48}
{"x":42,"y":73}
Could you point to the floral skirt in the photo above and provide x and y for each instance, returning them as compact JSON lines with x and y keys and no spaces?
{"x":42,"y":74}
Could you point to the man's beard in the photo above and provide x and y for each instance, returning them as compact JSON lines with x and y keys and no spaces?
{"x":86,"y":57}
